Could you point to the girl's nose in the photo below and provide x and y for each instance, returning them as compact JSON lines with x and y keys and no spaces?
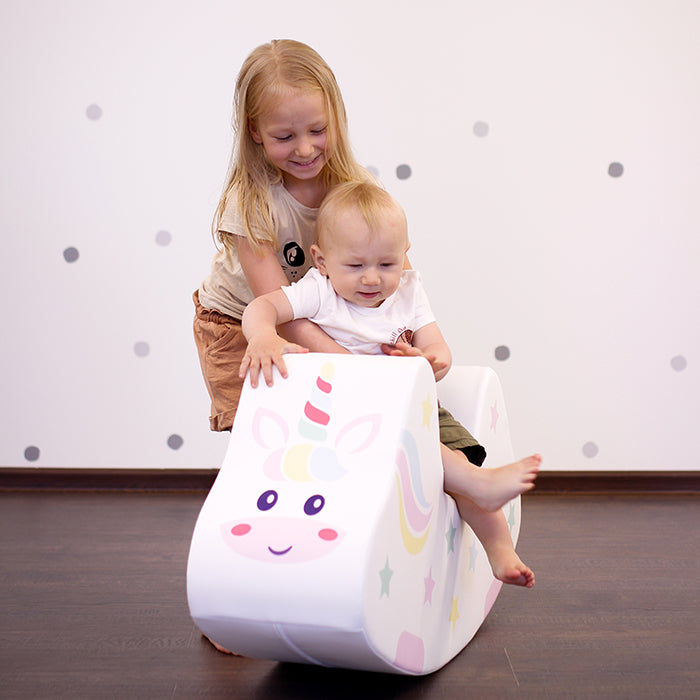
{"x":305,"y":147}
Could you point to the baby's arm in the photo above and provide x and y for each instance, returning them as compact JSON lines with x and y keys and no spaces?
{"x":265,"y":346}
{"x":426,"y":342}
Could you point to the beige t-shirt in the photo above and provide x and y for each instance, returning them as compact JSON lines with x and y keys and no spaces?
{"x":226,"y":289}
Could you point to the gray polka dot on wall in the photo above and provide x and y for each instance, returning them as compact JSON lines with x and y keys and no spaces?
{"x":71,"y":254}
{"x":502,"y":352}
{"x":480,"y":129}
{"x":175,"y":442}
{"x":93,"y":112}
{"x":163,"y":238}
{"x":679,"y":363}
{"x":142,"y":349}
{"x":590,"y":450}
{"x":32,"y":453}
{"x":615,"y":170}
{"x":403,"y":172}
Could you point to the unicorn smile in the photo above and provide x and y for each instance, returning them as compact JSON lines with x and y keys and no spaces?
{"x":279,"y":552}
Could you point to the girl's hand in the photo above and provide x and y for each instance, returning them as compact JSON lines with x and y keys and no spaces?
{"x":405,"y":350}
{"x":265,"y":351}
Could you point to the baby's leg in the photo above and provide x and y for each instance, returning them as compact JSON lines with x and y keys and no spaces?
{"x":493,"y":533}
{"x":490,"y":489}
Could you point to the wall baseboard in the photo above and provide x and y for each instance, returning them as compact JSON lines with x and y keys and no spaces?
{"x":201,"y":480}
{"x":146,"y":480}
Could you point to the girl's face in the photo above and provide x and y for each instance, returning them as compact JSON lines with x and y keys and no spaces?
{"x":294,"y":132}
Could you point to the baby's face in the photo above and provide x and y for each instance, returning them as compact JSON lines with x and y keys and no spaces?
{"x":363,"y":266}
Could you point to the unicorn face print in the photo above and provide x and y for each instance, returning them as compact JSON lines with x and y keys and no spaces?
{"x":283,"y":539}
{"x":287,"y":523}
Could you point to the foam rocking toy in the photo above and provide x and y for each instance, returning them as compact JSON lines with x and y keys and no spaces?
{"x":327,"y":537}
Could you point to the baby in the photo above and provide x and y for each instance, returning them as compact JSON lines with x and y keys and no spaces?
{"x":360,"y":294}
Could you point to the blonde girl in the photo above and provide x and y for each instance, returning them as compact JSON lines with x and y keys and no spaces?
{"x":290,"y":147}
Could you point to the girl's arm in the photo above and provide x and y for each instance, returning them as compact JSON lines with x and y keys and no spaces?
{"x":265,"y":347}
{"x":427,"y":342}
{"x":264,"y":274}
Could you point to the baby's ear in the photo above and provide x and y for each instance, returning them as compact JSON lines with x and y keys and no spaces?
{"x":319,"y":260}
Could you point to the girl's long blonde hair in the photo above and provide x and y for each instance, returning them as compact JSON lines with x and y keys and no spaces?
{"x":268,"y":73}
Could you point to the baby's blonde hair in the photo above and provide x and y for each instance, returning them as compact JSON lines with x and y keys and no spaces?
{"x":269,"y":73}
{"x":372,"y":201}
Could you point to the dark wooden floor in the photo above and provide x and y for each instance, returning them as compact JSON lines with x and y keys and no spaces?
{"x":93,"y":605}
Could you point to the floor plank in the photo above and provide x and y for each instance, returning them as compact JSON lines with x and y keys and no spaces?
{"x":93,"y":604}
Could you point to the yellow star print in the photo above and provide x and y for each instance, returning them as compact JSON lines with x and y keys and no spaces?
{"x":427,"y":411}
{"x":454,"y":613}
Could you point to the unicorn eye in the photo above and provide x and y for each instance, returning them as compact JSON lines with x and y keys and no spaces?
{"x":314,"y":504}
{"x":267,"y":500}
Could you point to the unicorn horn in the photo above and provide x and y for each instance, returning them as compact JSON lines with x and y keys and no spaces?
{"x":312,"y":425}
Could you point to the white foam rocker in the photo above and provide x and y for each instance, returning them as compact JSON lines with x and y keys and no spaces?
{"x":327,"y":537}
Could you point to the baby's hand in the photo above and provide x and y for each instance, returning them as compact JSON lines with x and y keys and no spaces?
{"x":405,"y":350}
{"x":263,"y":352}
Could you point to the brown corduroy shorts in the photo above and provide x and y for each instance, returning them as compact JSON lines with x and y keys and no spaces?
{"x":221,"y":346}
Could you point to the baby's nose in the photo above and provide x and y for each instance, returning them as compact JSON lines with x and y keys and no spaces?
{"x":370,"y":278}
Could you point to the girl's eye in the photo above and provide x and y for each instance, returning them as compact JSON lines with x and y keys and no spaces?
{"x":283,"y":138}
{"x":319,"y":131}
{"x":267,"y":500}
{"x":314,"y":504}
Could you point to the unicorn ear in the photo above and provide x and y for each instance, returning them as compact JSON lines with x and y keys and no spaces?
{"x":359,"y":434}
{"x":270,"y":430}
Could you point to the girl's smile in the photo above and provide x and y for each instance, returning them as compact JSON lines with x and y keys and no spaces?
{"x":294,"y":132}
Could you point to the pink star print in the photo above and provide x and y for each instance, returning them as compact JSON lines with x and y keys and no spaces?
{"x":494,"y":416}
{"x":429,"y":585}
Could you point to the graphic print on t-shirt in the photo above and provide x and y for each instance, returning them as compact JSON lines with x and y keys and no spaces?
{"x":402,"y":335}
{"x":294,"y":257}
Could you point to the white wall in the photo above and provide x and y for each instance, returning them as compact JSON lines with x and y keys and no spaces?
{"x":553,"y":205}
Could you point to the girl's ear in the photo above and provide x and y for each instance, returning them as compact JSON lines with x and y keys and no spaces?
{"x":319,"y":260}
{"x":254,"y":133}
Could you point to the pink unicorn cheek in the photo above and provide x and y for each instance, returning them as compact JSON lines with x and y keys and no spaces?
{"x":280,"y":539}
{"x":327,"y":534}
{"x":239,"y":530}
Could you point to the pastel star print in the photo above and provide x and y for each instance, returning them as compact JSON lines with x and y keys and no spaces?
{"x":454,"y":612}
{"x":450,"y":537}
{"x":511,"y":516}
{"x":473,"y":552}
{"x":429,"y":585}
{"x":494,"y":416}
{"x":427,"y":411}
{"x":385,"y":575}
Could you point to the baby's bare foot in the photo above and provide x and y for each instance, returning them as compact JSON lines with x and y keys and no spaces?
{"x":218,"y":647}
{"x":493,"y":488}
{"x":507,"y":567}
